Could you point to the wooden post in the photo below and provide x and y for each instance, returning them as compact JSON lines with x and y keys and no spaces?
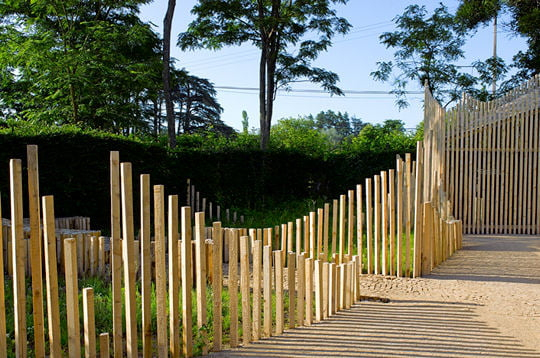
{"x":17,"y":245}
{"x":359,"y":224}
{"x":309,"y":291}
{"x":72,"y":298}
{"x":356,"y":280}
{"x":350,"y":222}
{"x":377,"y":189}
{"x":146,"y":264}
{"x":338,"y":304}
{"x":384,"y":222}
{"x":116,"y":254}
{"x":300,"y":304}
{"x":369,"y":227}
{"x":325,"y":287}
{"x":335,"y":210}
{"x":399,"y":224}
{"x":104,"y":345}
{"x":290,"y":235}
{"x":312,"y":233}
{"x":51,"y":276}
{"x":408,"y":184}
{"x":392,"y":214}
{"x":332,"y":288}
{"x":283,"y":243}
{"x":257,"y":266}
{"x":3,"y":343}
{"x":233,"y":287}
{"x":318,"y":290}
{"x":267,"y":287}
{"x":418,"y":205}
{"x":200,"y":261}
{"x":35,"y":250}
{"x":244,"y":284}
{"x":298,"y":236}
{"x":325,"y":233}
{"x":217,"y":283}
{"x":320,"y":226}
{"x":174,"y":280}
{"x":186,"y":282}
{"x":291,"y":280}
{"x":278,"y":266}
{"x":342,"y":200}
{"x":89,"y":323}
{"x":161,"y":284}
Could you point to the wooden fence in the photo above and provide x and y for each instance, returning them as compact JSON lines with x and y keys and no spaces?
{"x":486,"y":156}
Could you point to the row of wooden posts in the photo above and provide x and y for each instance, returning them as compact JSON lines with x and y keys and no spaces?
{"x":201,"y":204}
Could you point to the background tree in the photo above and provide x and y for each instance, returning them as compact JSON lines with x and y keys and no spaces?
{"x":342,"y":123}
{"x":245,"y":122}
{"x":289,"y":33}
{"x":87,"y":63}
{"x":427,"y":48}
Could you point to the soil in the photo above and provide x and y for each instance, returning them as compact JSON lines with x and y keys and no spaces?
{"x":483,"y":301}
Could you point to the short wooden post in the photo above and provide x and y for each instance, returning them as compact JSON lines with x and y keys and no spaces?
{"x":104,"y":345}
{"x":300,"y":304}
{"x":267,"y":287}
{"x":309,"y":291}
{"x":278,"y":266}
{"x":200,"y":250}
{"x":342,"y":286}
{"x":72,"y":298}
{"x":283,"y":243}
{"x":312,"y":233}
{"x":318,"y":290}
{"x":187,"y":339}
{"x":233,"y":287}
{"x":17,"y":246}
{"x":332,"y":288}
{"x":325,"y":285}
{"x":161,"y":283}
{"x":257,"y":266}
{"x":244,"y":284}
{"x":51,"y":276}
{"x":306,"y":234}
{"x":174,"y":280}
{"x":298,"y":236}
{"x":337,"y":301}
{"x":291,"y":280}
{"x":89,"y":323}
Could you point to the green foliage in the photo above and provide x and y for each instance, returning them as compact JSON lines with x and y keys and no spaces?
{"x":427,"y":48}
{"x":300,"y":134}
{"x":379,"y":138}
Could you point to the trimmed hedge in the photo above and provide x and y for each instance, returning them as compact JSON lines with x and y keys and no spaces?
{"x":74,"y":167}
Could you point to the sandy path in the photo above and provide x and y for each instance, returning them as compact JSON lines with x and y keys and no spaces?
{"x":484,"y":301}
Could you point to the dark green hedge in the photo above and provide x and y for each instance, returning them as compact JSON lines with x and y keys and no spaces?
{"x":75,"y":169}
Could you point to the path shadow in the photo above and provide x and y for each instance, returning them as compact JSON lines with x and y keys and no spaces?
{"x":395,"y":329}
{"x":494,"y":258}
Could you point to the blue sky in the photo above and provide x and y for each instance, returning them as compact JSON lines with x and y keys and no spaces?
{"x":353,"y":57}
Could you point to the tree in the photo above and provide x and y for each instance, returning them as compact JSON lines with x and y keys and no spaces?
{"x":245,"y":122}
{"x":342,"y":123}
{"x":300,"y":134}
{"x":88,"y":63}
{"x":426,"y":51}
{"x":388,"y":136}
{"x":289,"y":33}
{"x":166,"y":74}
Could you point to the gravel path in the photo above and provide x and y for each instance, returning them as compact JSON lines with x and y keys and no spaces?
{"x":483,"y":301}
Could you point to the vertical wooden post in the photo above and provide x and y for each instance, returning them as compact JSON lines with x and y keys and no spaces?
{"x":377,"y":190}
{"x":233,"y":287}
{"x":309,"y":291}
{"x":399,"y":224}
{"x":161,"y":283}
{"x":72,"y":298}
{"x":312,"y":233}
{"x":290,"y":235}
{"x":217,"y":283}
{"x":174,"y":280}
{"x":291,"y":280}
{"x":342,"y":203}
{"x":3,"y":343}
{"x":325,"y":233}
{"x":104,"y":345}
{"x":335,"y":210}
{"x":369,"y":227}
{"x":283,"y":243}
{"x":89,"y":323}
{"x":325,"y":287}
{"x":300,"y":304}
{"x":146,"y":264}
{"x":392,"y":214}
{"x":17,"y":245}
{"x":356,"y":280}
{"x":200,"y":249}
{"x":320,"y":227}
{"x":53,"y":313}
{"x":129,"y":262}
{"x":257,"y":266}
{"x":408,"y":184}
{"x":350,"y":222}
{"x":339,"y":287}
{"x":267,"y":287}
{"x":384,"y":222}
{"x":318,"y":290}
{"x":359,"y":224}
{"x":419,"y":209}
{"x":244,"y":284}
{"x":298,"y":236}
{"x":279,"y":291}
{"x":35,"y":250}
{"x":116,"y":254}
{"x":332,"y":288}
{"x":306,"y":234}
{"x":186,"y":282}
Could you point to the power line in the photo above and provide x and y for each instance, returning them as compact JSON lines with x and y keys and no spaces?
{"x":317,"y":91}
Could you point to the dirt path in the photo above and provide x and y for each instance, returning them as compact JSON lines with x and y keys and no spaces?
{"x":484,"y":301}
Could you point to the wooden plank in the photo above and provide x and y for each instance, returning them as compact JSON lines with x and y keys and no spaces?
{"x":244,"y":284}
{"x":17,"y":246}
{"x":116,"y":254}
{"x":72,"y":298}
{"x":359,"y":224}
{"x":174,"y":279}
{"x":187,"y":339}
{"x":384,"y":222}
{"x":267,"y":289}
{"x":342,"y":210}
{"x":200,"y":262}
{"x":291,"y":286}
{"x":309,"y":291}
{"x":217,"y":284}
{"x":377,"y":224}
{"x":278,"y":272}
{"x":89,"y":323}
{"x":51,"y":278}
{"x":300,"y":297}
{"x":161,"y":278}
{"x":233,"y":287}
{"x":369,"y":226}
{"x":35,"y":250}
{"x":146,"y":264}
{"x":257,"y":268}
{"x":318,"y":276}
{"x":350,"y":222}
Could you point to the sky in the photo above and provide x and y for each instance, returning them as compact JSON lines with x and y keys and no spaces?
{"x":353,"y":57}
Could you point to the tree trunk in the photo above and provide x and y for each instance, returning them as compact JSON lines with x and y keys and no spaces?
{"x":265,"y":129}
{"x":166,"y":74}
